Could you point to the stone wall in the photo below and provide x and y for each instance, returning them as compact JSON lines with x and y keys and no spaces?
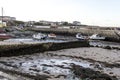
{"x":23,"y":49}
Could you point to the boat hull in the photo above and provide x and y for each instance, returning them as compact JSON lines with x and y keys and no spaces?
{"x":4,"y":36}
{"x":81,"y":37}
{"x":96,"y":37}
{"x":39,"y":36}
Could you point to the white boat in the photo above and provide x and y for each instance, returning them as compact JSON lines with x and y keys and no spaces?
{"x":39,"y":36}
{"x":81,"y":37}
{"x":51,"y":35}
{"x":96,"y":37}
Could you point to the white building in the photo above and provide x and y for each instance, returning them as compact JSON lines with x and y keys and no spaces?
{"x":45,"y":22}
{"x":76,"y":23}
{"x":3,"y":24}
{"x":64,"y":27}
{"x":42,"y":26}
{"x":7,"y":18}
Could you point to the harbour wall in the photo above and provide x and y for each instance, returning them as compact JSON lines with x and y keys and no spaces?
{"x":23,"y":49}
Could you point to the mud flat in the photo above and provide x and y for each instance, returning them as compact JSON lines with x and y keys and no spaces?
{"x":106,"y":60}
{"x":67,"y":64}
{"x":74,"y":60}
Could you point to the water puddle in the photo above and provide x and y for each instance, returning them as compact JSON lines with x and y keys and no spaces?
{"x":104,"y":43}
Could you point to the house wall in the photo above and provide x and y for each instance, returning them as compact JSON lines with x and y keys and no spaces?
{"x":4,"y":24}
{"x":42,"y":26}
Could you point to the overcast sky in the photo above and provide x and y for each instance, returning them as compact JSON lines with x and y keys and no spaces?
{"x":91,"y":12}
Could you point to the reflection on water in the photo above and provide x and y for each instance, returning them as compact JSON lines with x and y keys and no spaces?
{"x":104,"y":43}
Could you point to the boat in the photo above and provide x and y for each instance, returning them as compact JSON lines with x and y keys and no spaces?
{"x":51,"y":35}
{"x":4,"y":36}
{"x":96,"y":37}
{"x":39,"y":36}
{"x":79,"y":36}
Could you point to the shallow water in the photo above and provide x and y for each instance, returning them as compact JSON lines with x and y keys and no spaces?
{"x":104,"y":43}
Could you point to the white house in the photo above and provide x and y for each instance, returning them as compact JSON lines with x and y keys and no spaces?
{"x":3,"y":24}
{"x":7,"y":18}
{"x":76,"y":23}
{"x":42,"y":26}
{"x":64,"y":27}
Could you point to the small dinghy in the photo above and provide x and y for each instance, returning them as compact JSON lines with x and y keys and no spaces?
{"x":51,"y":35}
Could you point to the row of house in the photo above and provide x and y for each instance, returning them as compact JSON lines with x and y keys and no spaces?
{"x":59,"y":23}
{"x":7,"y":18}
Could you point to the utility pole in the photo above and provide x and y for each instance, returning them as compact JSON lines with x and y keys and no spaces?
{"x":2,"y":17}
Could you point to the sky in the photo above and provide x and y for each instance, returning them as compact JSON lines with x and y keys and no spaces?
{"x":89,"y":12}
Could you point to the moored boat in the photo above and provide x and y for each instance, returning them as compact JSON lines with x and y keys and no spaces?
{"x":4,"y":36}
{"x":96,"y":37}
{"x":39,"y":36}
{"x":79,"y":36}
{"x":51,"y":35}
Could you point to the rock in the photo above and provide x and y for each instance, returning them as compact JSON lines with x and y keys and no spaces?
{"x":107,"y":47}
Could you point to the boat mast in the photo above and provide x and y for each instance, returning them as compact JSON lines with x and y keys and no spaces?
{"x":2,"y":17}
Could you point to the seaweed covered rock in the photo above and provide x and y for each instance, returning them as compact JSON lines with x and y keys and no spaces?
{"x":86,"y":73}
{"x":107,"y":47}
